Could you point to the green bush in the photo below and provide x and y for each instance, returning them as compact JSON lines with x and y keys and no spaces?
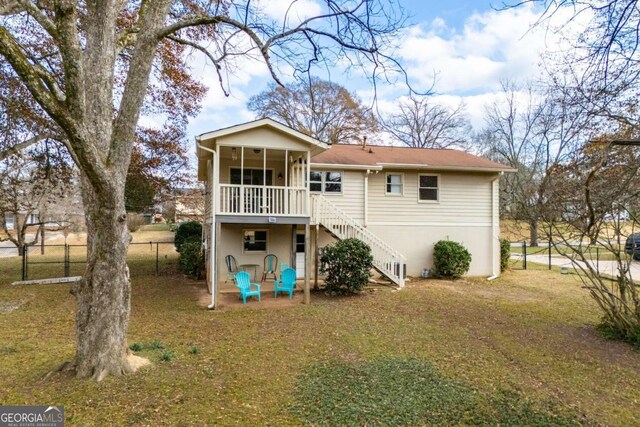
{"x":136,"y":346}
{"x":187,"y":232}
{"x":191,"y":260}
{"x":450,"y":260}
{"x":346,"y":266}
{"x":505,"y":254}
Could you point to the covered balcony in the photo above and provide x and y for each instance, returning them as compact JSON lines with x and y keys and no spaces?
{"x":261,"y":181}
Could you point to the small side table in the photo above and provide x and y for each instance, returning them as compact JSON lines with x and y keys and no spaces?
{"x":245,"y":267}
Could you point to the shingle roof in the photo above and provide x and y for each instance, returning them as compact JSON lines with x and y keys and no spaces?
{"x":405,"y":157}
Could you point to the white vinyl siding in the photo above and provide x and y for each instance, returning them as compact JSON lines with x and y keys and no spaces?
{"x":464,"y":198}
{"x":351,"y":200}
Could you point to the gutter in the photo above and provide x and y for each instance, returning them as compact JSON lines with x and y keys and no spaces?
{"x":443,"y":167}
{"x":493,"y":228}
{"x":383,"y":166}
{"x":345,"y":166}
{"x":212,"y":237}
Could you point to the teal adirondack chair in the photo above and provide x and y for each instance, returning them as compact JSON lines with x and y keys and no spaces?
{"x":243,"y":282}
{"x":286,"y":283}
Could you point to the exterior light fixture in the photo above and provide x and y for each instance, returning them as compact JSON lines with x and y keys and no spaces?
{"x":234,"y":154}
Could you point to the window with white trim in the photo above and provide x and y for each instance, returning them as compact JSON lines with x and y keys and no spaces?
{"x":326,"y":182}
{"x":428,"y":188}
{"x":255,"y":241}
{"x":395,"y":184}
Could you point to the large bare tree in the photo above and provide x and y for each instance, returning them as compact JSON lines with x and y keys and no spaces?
{"x":532,"y":131}
{"x":593,"y":197}
{"x":419,"y":121}
{"x":319,"y":108}
{"x":87,"y":66}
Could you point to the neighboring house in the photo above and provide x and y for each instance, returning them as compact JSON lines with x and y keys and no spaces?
{"x":186,"y":204}
{"x":271,"y":189}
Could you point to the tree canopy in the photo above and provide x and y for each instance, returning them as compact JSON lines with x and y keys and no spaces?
{"x":89,"y":70}
{"x":318,"y":108}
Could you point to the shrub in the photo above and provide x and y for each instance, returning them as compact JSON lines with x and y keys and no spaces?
{"x":166,"y":355}
{"x":136,"y":346}
{"x":450,"y":259}
{"x":156,"y":345}
{"x":135,"y":222}
{"x":191,"y":260}
{"x":187,"y":232}
{"x":346,"y":266}
{"x":610,"y":331}
{"x":505,"y":254}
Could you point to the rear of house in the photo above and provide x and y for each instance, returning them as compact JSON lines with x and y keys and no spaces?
{"x":271,"y":190}
{"x":412,"y":198}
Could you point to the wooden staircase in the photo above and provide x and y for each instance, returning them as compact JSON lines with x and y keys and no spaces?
{"x":386,"y":260}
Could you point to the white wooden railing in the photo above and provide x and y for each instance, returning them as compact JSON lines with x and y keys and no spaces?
{"x":387,"y":260}
{"x":262,"y":200}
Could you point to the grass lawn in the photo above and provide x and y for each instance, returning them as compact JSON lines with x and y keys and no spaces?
{"x":518,"y":350}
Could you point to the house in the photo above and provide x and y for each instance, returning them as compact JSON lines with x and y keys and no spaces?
{"x":184,"y":204}
{"x":273,"y":190}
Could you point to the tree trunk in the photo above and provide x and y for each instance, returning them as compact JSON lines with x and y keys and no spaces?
{"x":533,"y":233}
{"x":103,"y":296}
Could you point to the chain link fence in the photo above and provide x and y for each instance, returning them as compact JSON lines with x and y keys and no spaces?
{"x":64,"y":260}
{"x":547,"y":254}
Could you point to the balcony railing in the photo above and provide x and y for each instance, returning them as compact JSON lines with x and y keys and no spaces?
{"x":262,"y":200}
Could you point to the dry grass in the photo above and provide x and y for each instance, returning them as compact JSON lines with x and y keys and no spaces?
{"x":529,"y":332}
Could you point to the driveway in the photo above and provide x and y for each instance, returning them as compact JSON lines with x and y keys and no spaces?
{"x":607,"y":268}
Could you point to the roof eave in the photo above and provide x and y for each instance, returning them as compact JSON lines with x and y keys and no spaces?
{"x":443,"y":167}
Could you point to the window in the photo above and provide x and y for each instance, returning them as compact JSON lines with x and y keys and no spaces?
{"x":316,"y":181}
{"x":394,"y":183}
{"x":326,"y":182}
{"x":250,"y":176}
{"x":428,"y":187}
{"x":9,"y":222}
{"x":33,"y":219}
{"x":255,"y":241}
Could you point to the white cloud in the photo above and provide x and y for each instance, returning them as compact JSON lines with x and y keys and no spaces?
{"x":294,"y":11}
{"x":491,"y":46}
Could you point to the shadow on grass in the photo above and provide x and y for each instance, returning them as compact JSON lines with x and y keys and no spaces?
{"x":400,"y":391}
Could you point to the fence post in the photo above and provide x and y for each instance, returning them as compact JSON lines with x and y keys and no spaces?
{"x":598,"y":260}
{"x":24,"y":262}
{"x":157,"y":259}
{"x":524,"y":252}
{"x":66,"y":260}
{"x":549,"y":254}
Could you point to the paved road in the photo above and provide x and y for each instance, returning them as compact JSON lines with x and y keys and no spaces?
{"x":608,"y":268}
{"x":8,"y":249}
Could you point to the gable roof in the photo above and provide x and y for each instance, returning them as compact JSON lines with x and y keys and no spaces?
{"x":266,"y":122}
{"x":389,"y":157}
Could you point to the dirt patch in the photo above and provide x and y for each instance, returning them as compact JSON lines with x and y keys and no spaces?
{"x":232,"y":301}
{"x":612,"y":353}
{"x":8,"y":307}
{"x":490,"y":292}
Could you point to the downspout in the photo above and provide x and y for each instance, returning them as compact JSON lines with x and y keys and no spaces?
{"x":366,"y":196}
{"x":495,"y":274}
{"x":212,"y":234}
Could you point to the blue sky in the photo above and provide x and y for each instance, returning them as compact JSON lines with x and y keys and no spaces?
{"x":466,"y":44}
